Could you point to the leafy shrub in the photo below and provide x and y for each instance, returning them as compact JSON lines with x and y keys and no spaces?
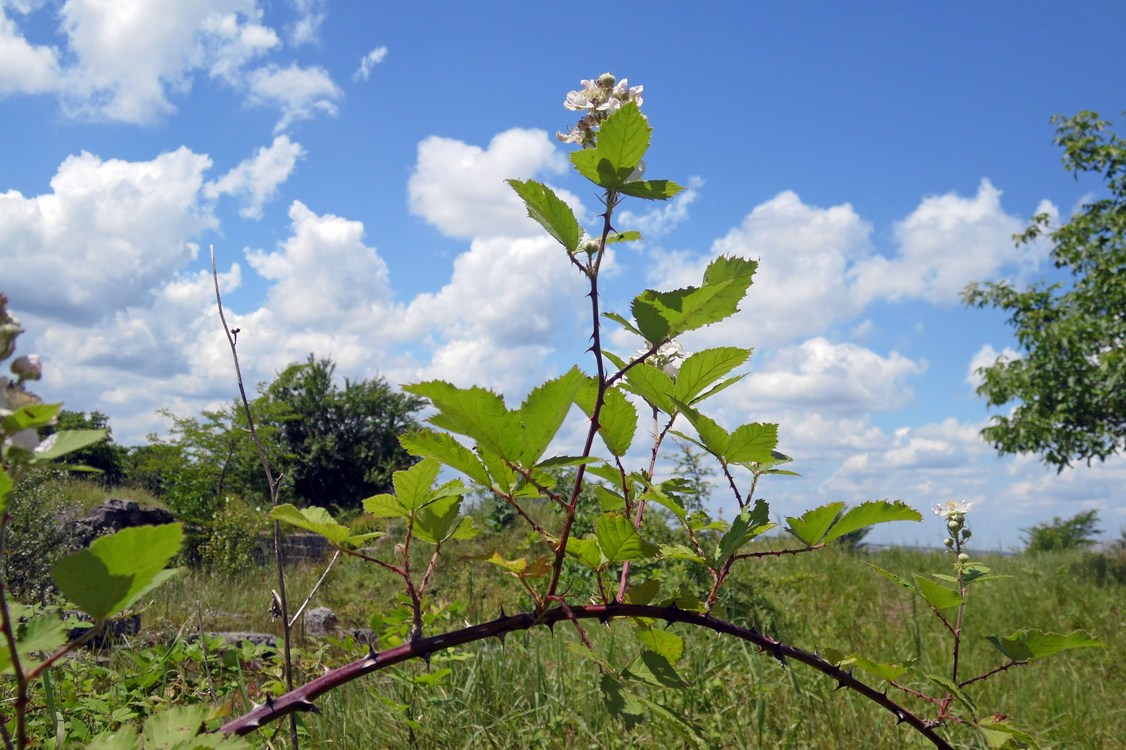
{"x":1076,"y":532}
{"x":227,"y":543}
{"x":39,"y":533}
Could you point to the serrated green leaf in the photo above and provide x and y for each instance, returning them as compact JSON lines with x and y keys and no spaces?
{"x":651,"y":384}
{"x":615,"y":237}
{"x":643,"y":593}
{"x":871,"y":513}
{"x":587,"y":552}
{"x":619,"y":541}
{"x":746,"y":526}
{"x":124,"y":738}
{"x":314,"y":519}
{"x":655,"y":669}
{"x":998,"y":733}
{"x":118,"y":569}
{"x":608,"y":500}
{"x":664,"y":642}
{"x":40,"y":634}
{"x":752,"y":443}
{"x":692,"y":733}
{"x":619,"y":702}
{"x":412,"y":486}
{"x":680,"y":552}
{"x":520,"y":567}
{"x":812,"y":526}
{"x":713,"y":438}
{"x":66,"y":441}
{"x":561,"y":462}
{"x":475,"y":412}
{"x":662,"y":315}
{"x":658,"y":496}
{"x":181,"y":728}
{"x":550,"y":211}
{"x":442,"y":446}
{"x":624,"y":324}
{"x":436,"y":521}
{"x":543,"y":412}
{"x":30,"y":417}
{"x":1027,"y":644}
{"x":385,"y":506}
{"x":937,"y":595}
{"x":894,"y":578}
{"x":623,"y":139}
{"x":889,"y":672}
{"x":701,"y":369}
{"x":617,"y":420}
{"x":653,"y":190}
{"x":947,"y":684}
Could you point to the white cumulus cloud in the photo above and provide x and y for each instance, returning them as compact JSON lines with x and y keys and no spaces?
{"x":947,"y":242}
{"x":298,"y":92}
{"x":257,"y":178}
{"x":107,"y":233}
{"x":461,"y":189}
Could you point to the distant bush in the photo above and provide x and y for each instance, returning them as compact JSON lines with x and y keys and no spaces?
{"x":1077,"y":532}
{"x":39,"y":533}
{"x":226,"y":544}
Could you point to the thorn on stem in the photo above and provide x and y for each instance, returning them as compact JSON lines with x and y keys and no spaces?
{"x":307,"y":705}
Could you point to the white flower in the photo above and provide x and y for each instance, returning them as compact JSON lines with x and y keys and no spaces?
{"x":574,"y":135}
{"x":666,"y":358}
{"x":577,"y":100}
{"x":952,"y":508}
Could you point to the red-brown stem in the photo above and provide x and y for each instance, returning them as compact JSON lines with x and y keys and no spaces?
{"x":302,"y":698}
{"x":658,"y":438}
{"x":596,"y":410}
{"x":992,"y":672}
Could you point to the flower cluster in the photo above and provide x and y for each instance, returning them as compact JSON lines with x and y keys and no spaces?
{"x":13,"y":396}
{"x":598,"y":98}
{"x":666,"y":358}
{"x":954,"y":511}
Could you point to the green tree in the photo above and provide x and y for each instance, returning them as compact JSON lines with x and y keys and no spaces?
{"x":344,"y":442}
{"x":1069,"y":382}
{"x":1061,"y":534}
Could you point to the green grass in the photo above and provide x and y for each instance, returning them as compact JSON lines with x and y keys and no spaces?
{"x":542,"y":689}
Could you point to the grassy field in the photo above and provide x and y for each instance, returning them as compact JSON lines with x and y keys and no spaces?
{"x":542,"y":689}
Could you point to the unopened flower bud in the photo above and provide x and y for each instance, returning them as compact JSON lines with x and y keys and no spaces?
{"x":607,"y":80}
{"x":966,"y":534}
{"x":948,"y":542}
{"x":9,"y":332}
{"x":954,"y":524}
{"x":589,"y":246}
{"x":27,"y":367}
{"x":963,"y":557}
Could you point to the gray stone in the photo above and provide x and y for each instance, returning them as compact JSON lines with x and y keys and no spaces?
{"x":116,"y":514}
{"x":319,"y":622}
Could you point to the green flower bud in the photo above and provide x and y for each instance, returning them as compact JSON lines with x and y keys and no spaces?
{"x":607,"y":80}
{"x":963,"y":557}
{"x":590,"y":247}
{"x":966,"y":534}
{"x":948,"y":542}
{"x":954,"y":524}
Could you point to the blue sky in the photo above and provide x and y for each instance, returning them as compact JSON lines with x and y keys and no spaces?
{"x":346,"y":160}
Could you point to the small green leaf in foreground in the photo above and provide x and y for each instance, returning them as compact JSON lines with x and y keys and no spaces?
{"x":118,"y":569}
{"x":1034,"y":644}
